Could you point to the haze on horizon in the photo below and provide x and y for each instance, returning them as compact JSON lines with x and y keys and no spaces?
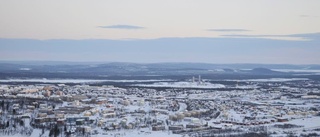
{"x":211,"y":31}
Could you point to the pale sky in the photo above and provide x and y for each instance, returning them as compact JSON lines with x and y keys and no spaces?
{"x":150,"y":20}
{"x":80,"y":19}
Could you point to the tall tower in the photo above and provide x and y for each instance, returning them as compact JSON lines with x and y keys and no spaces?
{"x":199,"y":79}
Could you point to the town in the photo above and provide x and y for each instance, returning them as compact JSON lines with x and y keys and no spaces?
{"x":262,"y":107}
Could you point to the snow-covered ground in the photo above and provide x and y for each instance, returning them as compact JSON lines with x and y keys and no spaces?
{"x":310,"y":122}
{"x":183,"y":85}
{"x":137,"y":133}
{"x":270,"y":80}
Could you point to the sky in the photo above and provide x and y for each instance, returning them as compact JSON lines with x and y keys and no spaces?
{"x":210,"y":31}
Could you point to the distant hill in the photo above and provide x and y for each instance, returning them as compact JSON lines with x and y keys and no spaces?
{"x":123,"y":68}
{"x":264,"y":71}
{"x":314,"y":67}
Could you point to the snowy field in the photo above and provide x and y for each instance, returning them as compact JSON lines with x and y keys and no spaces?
{"x":138,"y":133}
{"x":270,"y":80}
{"x":183,"y":85}
{"x":311,"y":122}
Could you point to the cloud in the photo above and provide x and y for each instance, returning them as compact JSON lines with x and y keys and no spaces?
{"x":228,"y":30}
{"x":307,"y":16}
{"x":122,"y":27}
{"x":307,"y":36}
{"x":252,"y":36}
{"x":304,"y":16}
